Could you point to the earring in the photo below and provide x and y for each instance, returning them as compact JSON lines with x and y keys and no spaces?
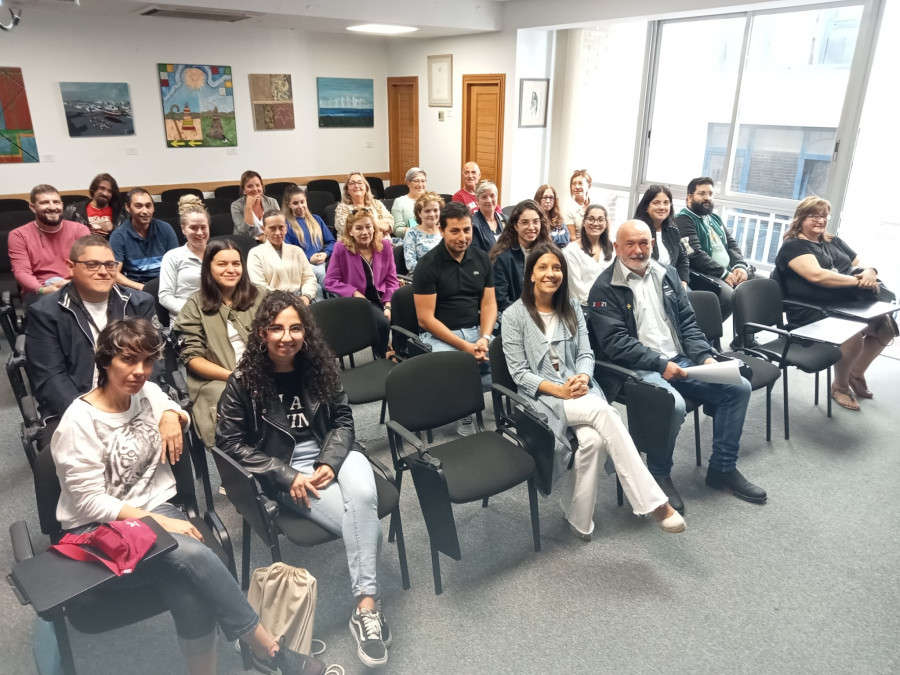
{"x":305,"y":345}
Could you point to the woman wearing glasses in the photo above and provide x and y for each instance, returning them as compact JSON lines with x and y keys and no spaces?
{"x":527,"y":226}
{"x":285,"y":418}
{"x":358,"y":195}
{"x":403,"y":208}
{"x":362,"y":266}
{"x":655,"y":209}
{"x":547,"y":198}
{"x":816,"y":267}
{"x":591,"y":254}
{"x":179,"y":275}
{"x":214,"y":325}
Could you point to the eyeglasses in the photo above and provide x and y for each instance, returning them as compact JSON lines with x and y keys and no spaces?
{"x":590,"y":220}
{"x":826,"y":218}
{"x":536,"y":223}
{"x":277,"y":332}
{"x":364,"y":209}
{"x":356,"y":183}
{"x":94,"y":265}
{"x":548,"y":198}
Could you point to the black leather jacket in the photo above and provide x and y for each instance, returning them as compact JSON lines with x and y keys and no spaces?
{"x":256,"y":434}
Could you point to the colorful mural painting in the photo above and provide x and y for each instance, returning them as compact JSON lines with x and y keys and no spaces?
{"x":198,"y":105}
{"x":17,"y":143}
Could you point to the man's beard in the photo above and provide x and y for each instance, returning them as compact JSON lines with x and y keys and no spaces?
{"x":702,"y":209}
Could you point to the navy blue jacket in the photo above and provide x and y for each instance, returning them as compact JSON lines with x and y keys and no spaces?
{"x":509,"y":276}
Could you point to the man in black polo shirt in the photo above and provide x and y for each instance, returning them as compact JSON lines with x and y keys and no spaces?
{"x":454,"y":291}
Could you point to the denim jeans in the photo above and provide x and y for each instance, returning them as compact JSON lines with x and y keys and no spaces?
{"x":319,"y":271}
{"x":348,"y":507}
{"x":469,"y":335}
{"x":730,"y":401}
{"x":195,"y":585}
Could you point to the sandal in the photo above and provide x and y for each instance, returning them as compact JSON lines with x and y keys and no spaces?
{"x":860,"y":388}
{"x":844,"y":398}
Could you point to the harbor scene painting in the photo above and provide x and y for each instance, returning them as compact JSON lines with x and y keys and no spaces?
{"x":198,"y":105}
{"x":97,"y":108}
{"x":346,"y":102}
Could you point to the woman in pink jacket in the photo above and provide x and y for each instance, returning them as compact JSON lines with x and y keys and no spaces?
{"x":362,"y":266}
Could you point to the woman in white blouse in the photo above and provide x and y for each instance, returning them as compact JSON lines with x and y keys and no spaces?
{"x":591,"y":254}
{"x":275,"y":265}
{"x":179,"y":275}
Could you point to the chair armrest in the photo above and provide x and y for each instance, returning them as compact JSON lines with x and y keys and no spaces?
{"x":382,"y":469}
{"x":407,"y":436}
{"x":515,"y":397}
{"x":405,"y":278}
{"x":627,"y":373}
{"x":413,"y":340}
{"x":771,"y":329}
{"x":20,"y":345}
{"x":21,"y":541}
{"x":5,"y":298}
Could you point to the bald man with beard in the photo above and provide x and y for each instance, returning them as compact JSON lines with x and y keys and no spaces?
{"x":642,"y":319}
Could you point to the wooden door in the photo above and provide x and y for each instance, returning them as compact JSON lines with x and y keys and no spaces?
{"x":482,"y":124}
{"x":403,"y":125}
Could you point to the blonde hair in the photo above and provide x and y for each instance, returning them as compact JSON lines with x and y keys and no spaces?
{"x":315,"y":230}
{"x":811,"y":206}
{"x":370,"y":201}
{"x":190,"y":204}
{"x":354,"y":218}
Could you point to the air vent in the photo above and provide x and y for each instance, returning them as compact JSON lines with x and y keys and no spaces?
{"x":192,"y":13}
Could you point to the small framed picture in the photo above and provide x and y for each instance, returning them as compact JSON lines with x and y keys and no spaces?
{"x":440,"y":81}
{"x":533,"y":95}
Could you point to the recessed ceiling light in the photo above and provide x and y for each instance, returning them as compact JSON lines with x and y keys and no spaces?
{"x":382,"y":29}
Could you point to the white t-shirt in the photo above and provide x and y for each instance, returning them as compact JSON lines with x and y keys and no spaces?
{"x":97,"y":312}
{"x":550,"y":320}
{"x":653,"y":329}
{"x":661,"y":249}
{"x":237,"y":342}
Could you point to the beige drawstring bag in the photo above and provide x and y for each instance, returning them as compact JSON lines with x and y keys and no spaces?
{"x":285,"y":599}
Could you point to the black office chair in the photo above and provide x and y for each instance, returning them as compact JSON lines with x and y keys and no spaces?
{"x":764,"y":373}
{"x":71,"y":200}
{"x":757,"y":307}
{"x":326,"y":185}
{"x":400,"y":264}
{"x":231,"y":192}
{"x":9,"y":289}
{"x":463,"y":470}
{"x":10,"y":220}
{"x":446,"y":197}
{"x":166,"y":211}
{"x":318,"y":200}
{"x":32,"y":427}
{"x":221,"y":224}
{"x":405,"y":326}
{"x":217,"y":205}
{"x":348,"y":327}
{"x":269,"y":520}
{"x":376,"y":185}
{"x":9,"y":204}
{"x":507,"y":210}
{"x":175,"y":194}
{"x":276,"y":190}
{"x":388,"y":204}
{"x":328,"y":217}
{"x":99,"y":611}
{"x":244,"y":242}
{"x":394,"y":191}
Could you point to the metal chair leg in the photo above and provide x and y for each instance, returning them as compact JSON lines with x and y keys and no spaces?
{"x":535,"y":516}
{"x":245,"y":556}
{"x":827,"y":388}
{"x":484,"y":502}
{"x":787,"y":423}
{"x":697,"y":436}
{"x":401,"y":548}
{"x":620,"y":496}
{"x":436,"y":570}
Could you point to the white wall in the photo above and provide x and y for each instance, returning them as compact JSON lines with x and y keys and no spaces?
{"x":64,"y":46}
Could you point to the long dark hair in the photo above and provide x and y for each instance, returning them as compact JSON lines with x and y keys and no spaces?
{"x":561,"y":304}
{"x":554,"y":215}
{"x":210,"y":294}
{"x":640,"y":213}
{"x":509,"y":237}
{"x":131,"y":334}
{"x":315,"y":365}
{"x":604,"y":241}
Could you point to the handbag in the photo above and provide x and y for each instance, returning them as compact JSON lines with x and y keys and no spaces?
{"x":123,"y":542}
{"x":285,"y":599}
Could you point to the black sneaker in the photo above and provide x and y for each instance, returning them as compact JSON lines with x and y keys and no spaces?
{"x":366,"y":628}
{"x":386,"y":636}
{"x":735,"y":483}
{"x":287,"y":662}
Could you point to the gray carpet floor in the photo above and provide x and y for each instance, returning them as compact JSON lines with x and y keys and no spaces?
{"x":806,"y":583}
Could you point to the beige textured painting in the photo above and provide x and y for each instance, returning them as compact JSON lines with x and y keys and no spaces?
{"x":272,"y":98}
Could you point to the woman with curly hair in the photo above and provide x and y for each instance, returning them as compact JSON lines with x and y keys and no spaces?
{"x":527,"y":226}
{"x":426,"y":234}
{"x":546,"y":196}
{"x":285,"y":418}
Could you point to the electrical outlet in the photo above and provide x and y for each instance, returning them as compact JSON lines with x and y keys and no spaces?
{"x":131,"y":151}
{"x":231,"y":151}
{"x":48,"y":158}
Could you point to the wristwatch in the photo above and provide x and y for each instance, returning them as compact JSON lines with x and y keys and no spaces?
{"x":486,"y":337}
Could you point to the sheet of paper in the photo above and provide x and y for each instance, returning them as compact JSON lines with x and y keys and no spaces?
{"x":720,"y":372}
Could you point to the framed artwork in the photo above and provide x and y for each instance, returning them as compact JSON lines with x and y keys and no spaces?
{"x":533,"y":102}
{"x":17,"y":144}
{"x":198,"y":105}
{"x":97,"y":108}
{"x":272,"y":98}
{"x":346,"y":102}
{"x":440,"y":81}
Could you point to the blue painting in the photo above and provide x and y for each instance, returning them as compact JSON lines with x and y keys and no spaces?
{"x":346,"y":102}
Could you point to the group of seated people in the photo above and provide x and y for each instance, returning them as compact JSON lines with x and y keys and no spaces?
{"x":266,"y":389}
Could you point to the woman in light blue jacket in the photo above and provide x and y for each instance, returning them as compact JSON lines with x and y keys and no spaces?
{"x":546,"y":347}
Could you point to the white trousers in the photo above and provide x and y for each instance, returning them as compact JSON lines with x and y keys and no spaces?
{"x":600,"y":431}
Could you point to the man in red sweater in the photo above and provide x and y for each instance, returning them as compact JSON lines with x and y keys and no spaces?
{"x":471,"y":174}
{"x":39,"y":249}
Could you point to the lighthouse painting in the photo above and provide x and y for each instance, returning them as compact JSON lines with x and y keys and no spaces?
{"x":198,"y":105}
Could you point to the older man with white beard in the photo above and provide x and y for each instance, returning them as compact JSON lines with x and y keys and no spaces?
{"x":642,"y":320}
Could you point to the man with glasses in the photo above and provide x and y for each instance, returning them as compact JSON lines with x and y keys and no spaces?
{"x":140,"y":242}
{"x":62,"y":328}
{"x":717,"y":263}
{"x":38,"y":250}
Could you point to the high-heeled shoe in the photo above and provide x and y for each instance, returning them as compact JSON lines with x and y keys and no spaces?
{"x":859,"y":386}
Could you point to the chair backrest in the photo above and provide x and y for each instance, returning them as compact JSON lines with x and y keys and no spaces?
{"x":446,"y":197}
{"x":166,"y":210}
{"x":276,"y":190}
{"x":152,"y":288}
{"x":499,"y":370}
{"x":9,"y":204}
{"x":175,"y":194}
{"x":507,"y":210}
{"x":394,"y":191}
{"x":69,"y":200}
{"x":708,"y":315}
{"x":434,"y":389}
{"x":327,"y":185}
{"x":244,"y":242}
{"x":403,"y":309}
{"x":400,"y":260}
{"x":757,"y":301}
{"x":216,"y":205}
{"x":328,"y":217}
{"x":346,"y":324}
{"x":377,"y":186}
{"x":243,"y":491}
{"x":388,"y":204}
{"x":318,"y":200}
{"x":231,"y":192}
{"x":220,"y":224}
{"x":10,"y":220}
